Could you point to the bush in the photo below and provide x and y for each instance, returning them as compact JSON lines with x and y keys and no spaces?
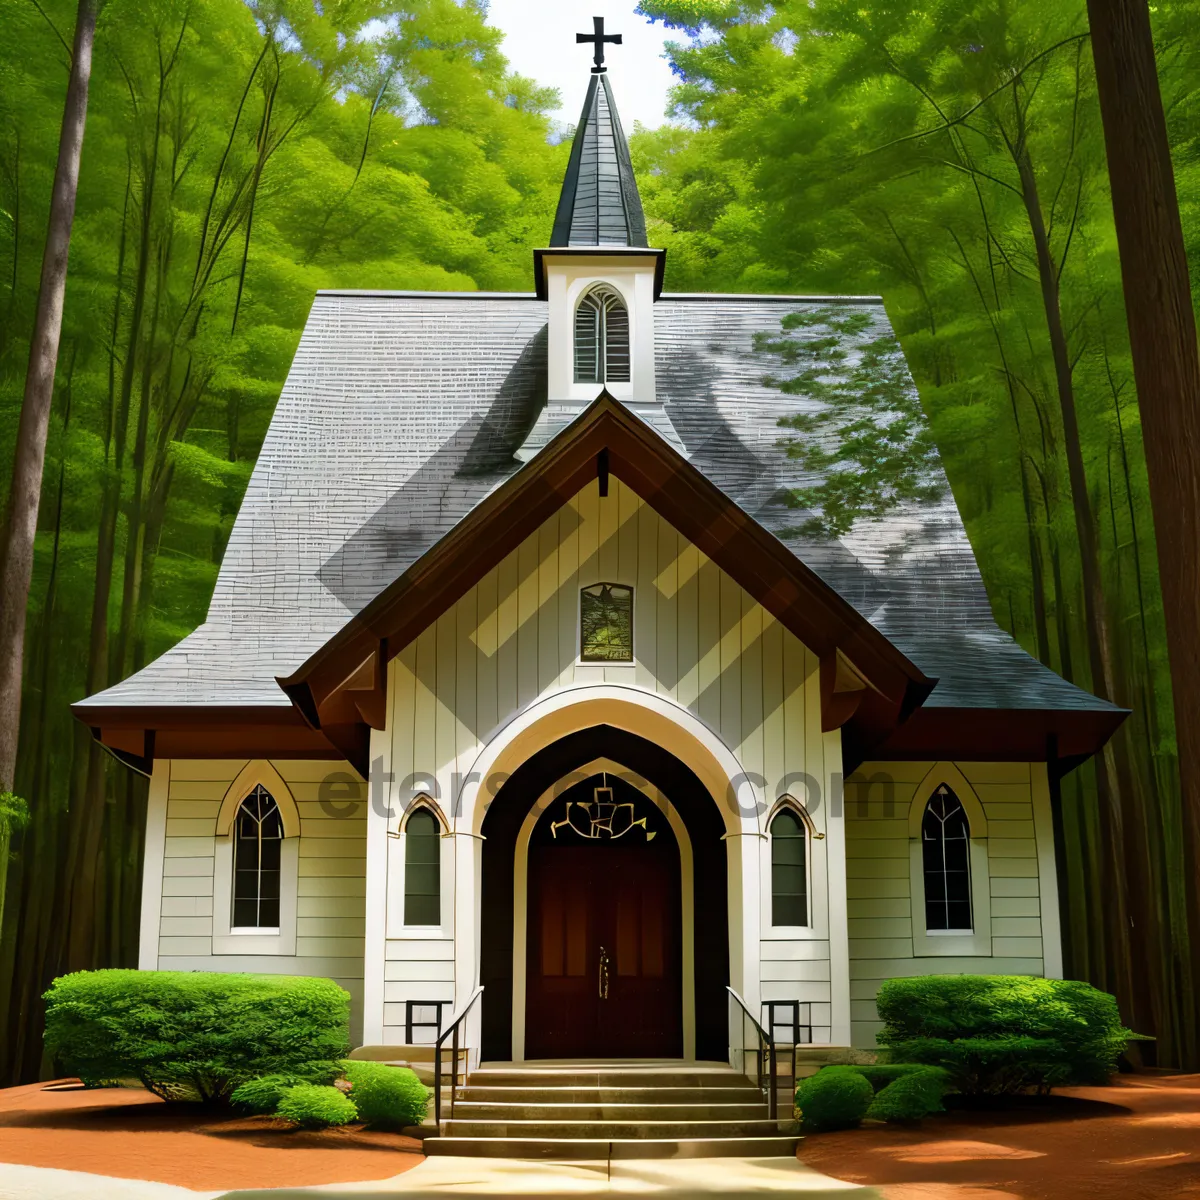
{"x":913,"y":1095}
{"x":195,"y":1035}
{"x":314,"y":1107}
{"x":388,"y":1097}
{"x":1003,"y":1034}
{"x":834,"y":1098}
{"x":262,"y":1095}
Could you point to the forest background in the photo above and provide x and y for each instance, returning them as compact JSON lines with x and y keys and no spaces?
{"x":241,"y":155}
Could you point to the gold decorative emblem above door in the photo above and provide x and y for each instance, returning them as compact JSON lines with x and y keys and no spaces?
{"x":602,"y":818}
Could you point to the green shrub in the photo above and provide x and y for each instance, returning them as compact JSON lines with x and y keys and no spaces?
{"x":262,"y":1095}
{"x":388,"y":1097}
{"x":312,"y":1106}
{"x":911,"y":1096}
{"x":195,"y":1035}
{"x":1002,"y":1034}
{"x":834,"y":1098}
{"x":880,"y":1075}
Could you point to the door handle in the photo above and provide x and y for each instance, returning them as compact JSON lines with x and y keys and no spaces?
{"x":603,"y":981}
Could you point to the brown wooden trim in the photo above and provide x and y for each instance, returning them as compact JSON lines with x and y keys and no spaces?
{"x":326,"y":685}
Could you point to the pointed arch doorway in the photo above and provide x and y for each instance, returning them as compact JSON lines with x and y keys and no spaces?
{"x":604,"y":930}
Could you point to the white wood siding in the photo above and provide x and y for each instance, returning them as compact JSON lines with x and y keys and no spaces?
{"x":879,"y":880}
{"x":331,"y":884}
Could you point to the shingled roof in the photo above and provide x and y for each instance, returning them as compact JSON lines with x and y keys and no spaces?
{"x":599,"y":204}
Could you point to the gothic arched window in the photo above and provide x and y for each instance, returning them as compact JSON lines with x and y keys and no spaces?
{"x":946,"y":857}
{"x":789,"y":869}
{"x":422,"y":869}
{"x":601,"y":337}
{"x":257,"y":850}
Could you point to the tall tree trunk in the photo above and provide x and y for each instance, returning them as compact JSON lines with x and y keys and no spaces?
{"x":30,"y":455}
{"x":1166,"y":367}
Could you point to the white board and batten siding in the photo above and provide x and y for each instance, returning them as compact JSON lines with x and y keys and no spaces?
{"x":512,"y":641}
{"x":1022,"y":935}
{"x":178,"y":889}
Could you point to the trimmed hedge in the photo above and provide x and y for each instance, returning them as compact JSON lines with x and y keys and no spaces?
{"x":1003,"y":1034}
{"x":263,"y":1095}
{"x":194,"y":1035}
{"x":834,"y":1098}
{"x":915,"y":1094}
{"x":314,"y":1107}
{"x":387,"y":1097}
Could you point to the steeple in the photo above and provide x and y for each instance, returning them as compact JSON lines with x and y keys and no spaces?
{"x":599,"y":205}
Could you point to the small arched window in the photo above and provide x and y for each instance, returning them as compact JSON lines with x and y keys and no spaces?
{"x":606,"y":623}
{"x":789,"y":869}
{"x":601,"y":337}
{"x":257,"y":852}
{"x":422,"y":869}
{"x":946,"y":857}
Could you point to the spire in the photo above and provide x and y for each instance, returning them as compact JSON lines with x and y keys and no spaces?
{"x":599,"y":205}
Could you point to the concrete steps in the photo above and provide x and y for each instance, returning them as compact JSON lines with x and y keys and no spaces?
{"x":612,"y":1110}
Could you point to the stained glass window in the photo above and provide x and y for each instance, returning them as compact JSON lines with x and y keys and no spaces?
{"x":946,"y":849}
{"x":601,"y":337}
{"x":606,"y":623}
{"x":422,"y":870}
{"x":257,"y":850}
{"x":789,"y":870}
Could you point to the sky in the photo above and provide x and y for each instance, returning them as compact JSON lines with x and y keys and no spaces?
{"x":540,"y":42}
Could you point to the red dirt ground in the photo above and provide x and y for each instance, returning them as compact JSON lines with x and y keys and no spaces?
{"x":126,"y":1132}
{"x":1137,"y":1139}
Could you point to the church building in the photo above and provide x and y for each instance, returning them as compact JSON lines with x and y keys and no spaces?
{"x":526,"y":670}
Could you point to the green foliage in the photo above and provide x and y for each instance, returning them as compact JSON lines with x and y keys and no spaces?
{"x":915,"y":1093}
{"x":195,"y":1035}
{"x":387,"y":1097}
{"x":866,"y":433}
{"x":14,"y":813}
{"x":312,"y":1106}
{"x":262,"y":1095}
{"x":834,"y":1098}
{"x":1001,"y":1034}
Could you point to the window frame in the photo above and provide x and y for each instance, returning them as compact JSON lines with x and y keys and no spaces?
{"x":817,"y":929}
{"x":423,"y":809}
{"x":806,"y":834}
{"x":622,"y":663}
{"x":975,"y":942}
{"x":226,"y":937}
{"x":397,"y":870}
{"x":258,"y":792}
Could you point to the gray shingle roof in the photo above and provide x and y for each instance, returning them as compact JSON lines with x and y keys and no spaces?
{"x":402,"y":411}
{"x":599,"y":204}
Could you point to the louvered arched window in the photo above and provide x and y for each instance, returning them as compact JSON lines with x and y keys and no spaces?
{"x":789,"y":869}
{"x":601,"y":337}
{"x":257,"y":853}
{"x":946,"y":857}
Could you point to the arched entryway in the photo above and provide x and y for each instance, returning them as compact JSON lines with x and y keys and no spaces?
{"x":684,"y":796}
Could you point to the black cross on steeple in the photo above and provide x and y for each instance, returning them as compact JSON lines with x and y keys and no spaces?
{"x":598,"y":38}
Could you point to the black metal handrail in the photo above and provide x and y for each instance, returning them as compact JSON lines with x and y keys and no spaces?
{"x":792,"y":1024}
{"x":764,"y":1053}
{"x":451,"y":1032}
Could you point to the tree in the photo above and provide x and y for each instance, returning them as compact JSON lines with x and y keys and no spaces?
{"x":16,"y":558}
{"x":1166,"y":366}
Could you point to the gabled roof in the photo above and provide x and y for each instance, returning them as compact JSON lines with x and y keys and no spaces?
{"x":599,"y":204}
{"x":403,"y":412}
{"x":342,"y":682}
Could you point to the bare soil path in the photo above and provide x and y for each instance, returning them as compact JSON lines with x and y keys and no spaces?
{"x":127,"y":1133}
{"x":1136,"y":1140}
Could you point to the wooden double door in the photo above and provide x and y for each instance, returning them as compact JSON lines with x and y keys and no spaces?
{"x":604,"y":949}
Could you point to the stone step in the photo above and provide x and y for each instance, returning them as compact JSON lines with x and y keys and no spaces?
{"x":615,"y":1130}
{"x":598,"y":1148}
{"x":619,"y":1077}
{"x":745,"y":1094}
{"x":476,"y":1110}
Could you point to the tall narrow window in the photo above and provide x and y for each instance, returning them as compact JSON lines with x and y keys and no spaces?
{"x":422,"y":870}
{"x":946,"y":853}
{"x":606,"y":623}
{"x":789,"y":870}
{"x":257,"y":849}
{"x":601,"y":337}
